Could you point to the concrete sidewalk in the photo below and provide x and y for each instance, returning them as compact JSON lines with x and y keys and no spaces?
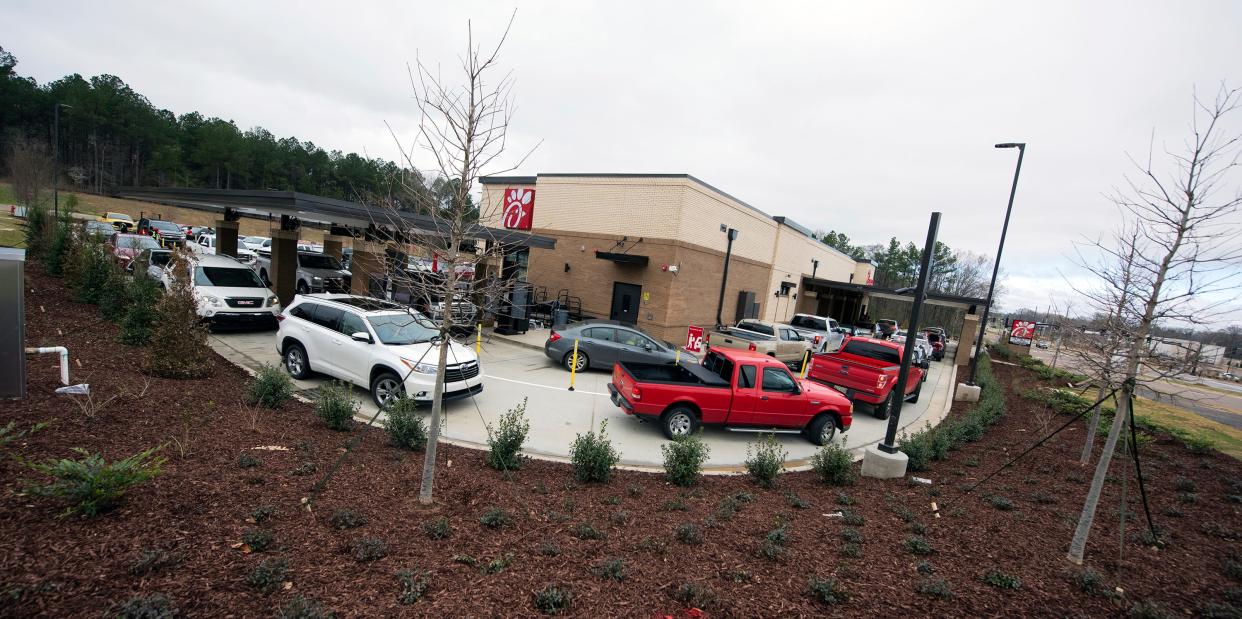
{"x":515,"y":371}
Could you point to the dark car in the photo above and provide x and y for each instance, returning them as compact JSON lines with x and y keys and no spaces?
{"x":167,"y":233}
{"x":602,"y":343}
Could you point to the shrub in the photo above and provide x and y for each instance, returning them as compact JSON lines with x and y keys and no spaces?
{"x":549,"y":549}
{"x":438,"y":528}
{"x":696,"y":595}
{"x":924,"y":568}
{"x":91,"y":270}
{"x":854,"y":536}
{"x":619,"y":518}
{"x":262,"y":513}
{"x":155,"y":606}
{"x":918,"y":545}
{"x":140,"y":313}
{"x":689,"y":534}
{"x":553,"y":600}
{"x":586,"y":530}
{"x":153,"y":560}
{"x":370,"y":549}
{"x":59,"y":243}
{"x":779,"y":535}
{"x":505,"y":441}
{"x":412,"y":586}
{"x":35,"y":229}
{"x":304,"y":608}
{"x":346,"y":519}
{"x":1001,"y":580}
{"x":1001,"y":503}
{"x":852,"y":518}
{"x":257,"y":540}
{"x":336,"y":405}
{"x":825,"y":591}
{"x":114,"y":299}
{"x":182,"y":351}
{"x":853,"y":551}
{"x":593,"y":456}
{"x":795,"y":501}
{"x":90,"y":485}
{"x":612,"y":569}
{"x":494,"y":518}
{"x":934,"y":587}
{"x":270,"y":387}
{"x":1184,"y":484}
{"x":684,"y":458}
{"x":404,"y":424}
{"x":1090,"y":581}
{"x":246,"y":461}
{"x":764,"y":459}
{"x":834,"y":466}
{"x":845,"y":499}
{"x":268,"y":574}
{"x":1146,"y":610}
{"x":674,"y":505}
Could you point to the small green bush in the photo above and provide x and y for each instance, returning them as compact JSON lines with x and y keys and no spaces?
{"x":413,"y":586}
{"x":674,"y":505}
{"x":853,"y":536}
{"x":114,"y":299}
{"x":593,"y":456}
{"x":504,"y":443}
{"x":91,"y":271}
{"x":771,"y":550}
{"x":257,"y":540}
{"x":689,"y":534}
{"x":1144,"y":609}
{"x":438,"y":528}
{"x":368,"y":549}
{"x":795,"y":501}
{"x":1001,"y":503}
{"x":182,"y":351}
{"x":140,"y":313}
{"x":620,"y":518}
{"x":845,"y":499}
{"x":35,"y":230}
{"x":1090,"y":581}
{"x":59,"y":245}
{"x":91,"y":485}
{"x":826,"y":590}
{"x":934,"y":587}
{"x":764,"y":460}
{"x":612,"y":569}
{"x":553,"y":600}
{"x":270,"y":387}
{"x":494,"y":518}
{"x":155,"y":606}
{"x":1001,"y":580}
{"x":152,"y":560}
{"x":853,"y":551}
{"x":304,"y":608}
{"x":834,"y":465}
{"x":1184,"y":484}
{"x":346,"y":519}
{"x":852,"y":518}
{"x":262,"y":513}
{"x":268,"y":575}
{"x":336,"y":405}
{"x":696,"y":595}
{"x":918,"y":545}
{"x":586,"y":530}
{"x":404,"y":425}
{"x":246,"y":461}
{"x":684,"y":458}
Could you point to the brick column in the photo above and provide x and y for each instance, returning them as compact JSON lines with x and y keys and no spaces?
{"x":367,"y":262}
{"x":226,"y":238}
{"x":332,"y":245}
{"x":284,"y":267}
{"x":966,"y":341}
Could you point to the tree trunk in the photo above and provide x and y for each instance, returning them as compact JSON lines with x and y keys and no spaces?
{"x":1095,"y":423}
{"x":433,"y":430}
{"x":1079,"y":545}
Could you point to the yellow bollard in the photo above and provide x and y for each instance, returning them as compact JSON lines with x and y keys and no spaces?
{"x":573,"y":366}
{"x":478,"y":340}
{"x":677,"y":358}
{"x":806,"y":358}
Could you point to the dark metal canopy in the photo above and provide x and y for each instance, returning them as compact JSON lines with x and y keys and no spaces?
{"x":260,"y":204}
{"x":935,"y":298}
{"x":622,"y":258}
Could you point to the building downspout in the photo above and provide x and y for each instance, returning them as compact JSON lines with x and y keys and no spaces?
{"x":732,"y":234}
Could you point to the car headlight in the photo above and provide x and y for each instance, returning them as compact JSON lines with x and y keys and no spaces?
{"x":421,"y":368}
{"x":273,"y":301}
{"x":214,"y":301}
{"x":317,"y":278}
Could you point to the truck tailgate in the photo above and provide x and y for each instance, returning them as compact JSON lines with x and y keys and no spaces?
{"x":861,"y":374}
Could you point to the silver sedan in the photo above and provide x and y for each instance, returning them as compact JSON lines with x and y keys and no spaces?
{"x":603,"y":343}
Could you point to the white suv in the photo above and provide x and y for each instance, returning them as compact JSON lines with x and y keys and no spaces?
{"x":382,"y":346}
{"x":227,"y":292}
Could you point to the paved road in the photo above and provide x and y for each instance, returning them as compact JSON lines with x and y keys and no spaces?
{"x":557,"y":415}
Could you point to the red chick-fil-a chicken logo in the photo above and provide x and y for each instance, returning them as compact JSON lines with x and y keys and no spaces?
{"x":519,"y":211}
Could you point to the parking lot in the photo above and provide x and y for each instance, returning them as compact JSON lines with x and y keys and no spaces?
{"x":514,"y":370}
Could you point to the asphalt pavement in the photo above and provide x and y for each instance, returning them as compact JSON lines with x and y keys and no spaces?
{"x":513,"y":372}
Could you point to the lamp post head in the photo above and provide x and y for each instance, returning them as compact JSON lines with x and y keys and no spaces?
{"x":1012,"y":145}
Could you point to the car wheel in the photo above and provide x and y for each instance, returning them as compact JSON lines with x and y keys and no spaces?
{"x":822,"y":429}
{"x":296,"y":361}
{"x":386,"y":388}
{"x":914,"y":397}
{"x":584,"y":361}
{"x":302,"y":288}
{"x":883,"y":409}
{"x":679,"y":421}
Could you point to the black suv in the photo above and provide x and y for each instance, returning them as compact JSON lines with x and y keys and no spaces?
{"x":167,"y":233}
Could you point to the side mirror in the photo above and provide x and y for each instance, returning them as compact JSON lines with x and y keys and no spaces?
{"x":362,"y":336}
{"x":648,"y":347}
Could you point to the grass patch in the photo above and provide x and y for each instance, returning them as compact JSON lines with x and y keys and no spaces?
{"x":1194,"y":431}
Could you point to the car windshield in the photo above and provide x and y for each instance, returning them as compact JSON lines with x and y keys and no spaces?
{"x":160,"y":258}
{"x":226,"y":277}
{"x":318,"y":261}
{"x":119,"y":216}
{"x":402,"y":328}
{"x":138,"y":242}
{"x":164,"y":226}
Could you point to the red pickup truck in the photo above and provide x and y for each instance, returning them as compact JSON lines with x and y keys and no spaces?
{"x":866,"y":368}
{"x":742,"y":390}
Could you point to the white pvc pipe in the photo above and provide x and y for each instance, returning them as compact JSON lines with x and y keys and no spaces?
{"x":64,"y":359}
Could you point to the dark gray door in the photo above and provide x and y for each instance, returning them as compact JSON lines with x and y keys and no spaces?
{"x":601,"y":345}
{"x":625,"y":302}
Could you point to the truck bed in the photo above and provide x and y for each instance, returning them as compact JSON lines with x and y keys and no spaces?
{"x":743,"y":334}
{"x":686,"y":373}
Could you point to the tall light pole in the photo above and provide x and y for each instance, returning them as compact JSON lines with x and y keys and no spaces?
{"x":724,"y":278}
{"x":56,"y":157}
{"x":983,"y":324}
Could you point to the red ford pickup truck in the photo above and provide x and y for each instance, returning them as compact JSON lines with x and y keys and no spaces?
{"x":866,"y":368}
{"x":742,"y":390}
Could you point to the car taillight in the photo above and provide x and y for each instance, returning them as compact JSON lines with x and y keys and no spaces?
{"x":280,"y":317}
{"x":636,"y":393}
{"x":555,"y":336}
{"x":751,"y":348}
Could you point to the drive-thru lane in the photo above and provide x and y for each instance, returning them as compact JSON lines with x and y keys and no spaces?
{"x":557,"y":415}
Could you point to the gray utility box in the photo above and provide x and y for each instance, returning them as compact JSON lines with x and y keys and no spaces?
{"x":12,"y":323}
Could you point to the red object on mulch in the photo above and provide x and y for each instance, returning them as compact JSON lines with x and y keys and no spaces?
{"x":198,"y":509}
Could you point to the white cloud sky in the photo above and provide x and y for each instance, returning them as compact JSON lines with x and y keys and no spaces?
{"x":860,"y":117}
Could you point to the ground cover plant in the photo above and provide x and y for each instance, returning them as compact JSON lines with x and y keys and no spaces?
{"x":173,"y":535}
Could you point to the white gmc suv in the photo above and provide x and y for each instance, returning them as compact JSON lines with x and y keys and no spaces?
{"x":382,"y":346}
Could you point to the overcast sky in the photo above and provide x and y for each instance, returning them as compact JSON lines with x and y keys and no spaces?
{"x":859,"y":117}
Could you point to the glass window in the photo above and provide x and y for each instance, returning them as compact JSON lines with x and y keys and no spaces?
{"x":397,"y":329}
{"x":756,"y":327}
{"x":304,"y":311}
{"x":327,"y":316}
{"x":226,"y":277}
{"x":872,"y":350}
{"x":603,"y":334}
{"x":746,"y":377}
{"x":160,"y":258}
{"x":318,"y":261}
{"x":630,"y":338}
{"x":776,"y":379}
{"x":790,"y":335}
{"x":351,"y":323}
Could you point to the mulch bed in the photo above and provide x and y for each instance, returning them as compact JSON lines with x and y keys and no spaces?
{"x":197,"y":511}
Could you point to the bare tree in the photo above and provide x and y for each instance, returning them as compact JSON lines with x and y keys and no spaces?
{"x":1185,"y":258}
{"x":441,"y":261}
{"x":30,"y":169}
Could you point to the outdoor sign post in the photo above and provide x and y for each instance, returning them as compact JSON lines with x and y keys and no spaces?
{"x":1021,"y":332}
{"x":694,"y":339}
